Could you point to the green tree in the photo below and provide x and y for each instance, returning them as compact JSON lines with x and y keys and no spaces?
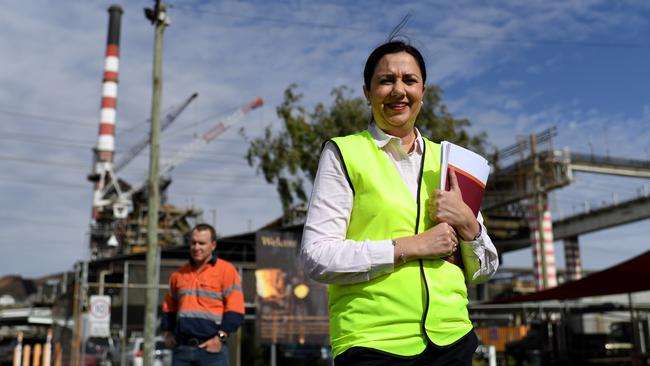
{"x":289,"y":157}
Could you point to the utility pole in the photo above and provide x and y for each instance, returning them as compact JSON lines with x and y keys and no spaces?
{"x":76,"y":314}
{"x":160,"y":20}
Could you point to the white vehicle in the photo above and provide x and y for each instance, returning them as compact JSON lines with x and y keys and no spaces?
{"x":162,"y":354}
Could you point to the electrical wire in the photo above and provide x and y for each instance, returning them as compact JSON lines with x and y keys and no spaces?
{"x":83,"y":186}
{"x":46,"y":183}
{"x":64,"y":144}
{"x":48,"y":118}
{"x":42,"y":162}
{"x":278,"y":22}
{"x":286,"y":22}
{"x":45,"y":140}
{"x":244,"y":181}
{"x":37,"y":221}
{"x":224,"y":195}
{"x":204,"y":158}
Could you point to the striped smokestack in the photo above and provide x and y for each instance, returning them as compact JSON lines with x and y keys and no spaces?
{"x":102,"y":175}
{"x":106,"y":141}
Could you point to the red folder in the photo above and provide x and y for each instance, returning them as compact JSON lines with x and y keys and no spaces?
{"x":471,"y":169}
{"x":472,"y":172}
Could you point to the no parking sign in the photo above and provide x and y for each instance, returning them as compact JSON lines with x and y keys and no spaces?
{"x":99,"y":316}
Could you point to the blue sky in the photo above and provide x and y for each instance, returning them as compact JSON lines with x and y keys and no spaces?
{"x":511,"y":67}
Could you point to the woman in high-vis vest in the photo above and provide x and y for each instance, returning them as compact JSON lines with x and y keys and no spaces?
{"x":378,"y":229}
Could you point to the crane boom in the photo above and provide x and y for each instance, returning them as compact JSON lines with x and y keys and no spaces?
{"x":142,"y":144}
{"x":199,"y":142}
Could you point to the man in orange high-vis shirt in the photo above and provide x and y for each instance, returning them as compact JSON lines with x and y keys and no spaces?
{"x":204,"y":305}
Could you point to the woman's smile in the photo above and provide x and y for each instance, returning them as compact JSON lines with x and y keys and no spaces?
{"x":395,"y":93}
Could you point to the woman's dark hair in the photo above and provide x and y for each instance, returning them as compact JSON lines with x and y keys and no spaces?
{"x":392,"y":47}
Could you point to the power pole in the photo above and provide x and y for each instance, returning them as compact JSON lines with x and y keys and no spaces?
{"x":160,"y":20}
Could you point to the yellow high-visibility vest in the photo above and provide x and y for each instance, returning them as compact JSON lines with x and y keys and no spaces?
{"x":422,"y":300}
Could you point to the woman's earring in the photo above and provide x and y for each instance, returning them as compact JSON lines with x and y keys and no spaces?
{"x":422,"y":102}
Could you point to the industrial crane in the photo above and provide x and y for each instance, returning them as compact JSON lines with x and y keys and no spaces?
{"x":199,"y":143}
{"x":123,"y":200}
{"x":142,"y":144}
{"x":112,"y":193}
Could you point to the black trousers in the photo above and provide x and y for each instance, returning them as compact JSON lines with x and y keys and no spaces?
{"x":457,"y":354}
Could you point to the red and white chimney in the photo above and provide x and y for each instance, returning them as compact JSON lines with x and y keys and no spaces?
{"x":106,"y":141}
{"x":103,"y":160}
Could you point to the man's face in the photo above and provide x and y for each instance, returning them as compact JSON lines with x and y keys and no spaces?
{"x":201,"y":246}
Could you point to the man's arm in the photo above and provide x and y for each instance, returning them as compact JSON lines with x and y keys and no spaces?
{"x":233,"y":299}
{"x":233,"y":310}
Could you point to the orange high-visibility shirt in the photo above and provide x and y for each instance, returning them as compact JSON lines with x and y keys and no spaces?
{"x":200,"y":303}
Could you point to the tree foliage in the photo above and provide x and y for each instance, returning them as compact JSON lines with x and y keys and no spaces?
{"x":289,"y":157}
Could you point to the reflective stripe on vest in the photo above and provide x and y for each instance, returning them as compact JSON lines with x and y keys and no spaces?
{"x":388,"y":312}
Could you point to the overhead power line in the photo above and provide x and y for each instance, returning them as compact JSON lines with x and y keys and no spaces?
{"x":42,"y":162}
{"x":37,"y":221}
{"x":224,"y":195}
{"x":76,"y":166}
{"x":286,"y":22}
{"x":243,"y":182}
{"x":123,"y":130}
{"x":27,"y":137}
{"x":48,"y":118}
{"x":44,"y":183}
{"x":73,"y":143}
{"x":280,"y":22}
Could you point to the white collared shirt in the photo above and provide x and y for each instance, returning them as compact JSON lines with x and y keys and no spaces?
{"x":330,"y":258}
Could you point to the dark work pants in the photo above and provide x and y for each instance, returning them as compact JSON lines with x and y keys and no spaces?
{"x":194,"y":356}
{"x":457,"y":354}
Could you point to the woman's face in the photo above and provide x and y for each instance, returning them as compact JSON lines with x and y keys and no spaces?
{"x":396,"y":91}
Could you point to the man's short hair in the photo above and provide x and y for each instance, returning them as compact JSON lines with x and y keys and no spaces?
{"x":204,"y":227}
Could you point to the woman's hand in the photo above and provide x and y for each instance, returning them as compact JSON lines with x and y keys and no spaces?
{"x":449,"y":207}
{"x":437,"y":242}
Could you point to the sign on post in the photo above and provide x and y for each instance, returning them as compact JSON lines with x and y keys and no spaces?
{"x":99,"y":316}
